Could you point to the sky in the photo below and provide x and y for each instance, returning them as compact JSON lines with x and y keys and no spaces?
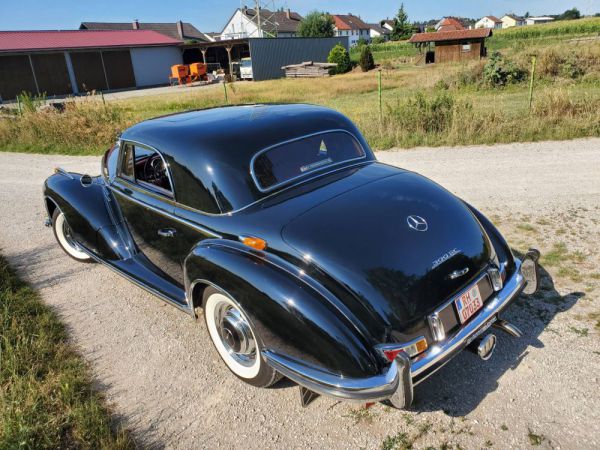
{"x":211,"y":15}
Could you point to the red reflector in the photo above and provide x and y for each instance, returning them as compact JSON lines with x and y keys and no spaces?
{"x":391,"y":354}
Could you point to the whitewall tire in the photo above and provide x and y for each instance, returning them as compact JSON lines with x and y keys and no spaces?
{"x":62,"y":232}
{"x":235,"y":340}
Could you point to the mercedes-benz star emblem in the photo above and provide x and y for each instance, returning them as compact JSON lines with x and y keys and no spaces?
{"x":417,"y":223}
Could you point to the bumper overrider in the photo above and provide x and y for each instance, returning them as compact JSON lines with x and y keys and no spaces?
{"x":397,"y":381}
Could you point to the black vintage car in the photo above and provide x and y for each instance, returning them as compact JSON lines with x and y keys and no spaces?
{"x":308,"y":257}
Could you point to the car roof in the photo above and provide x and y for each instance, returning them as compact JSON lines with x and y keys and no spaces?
{"x":225,"y":139}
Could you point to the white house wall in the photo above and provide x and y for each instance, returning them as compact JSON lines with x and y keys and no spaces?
{"x":152,"y":65}
{"x":239,"y":27}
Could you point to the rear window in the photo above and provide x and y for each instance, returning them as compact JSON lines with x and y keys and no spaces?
{"x":285,"y":162}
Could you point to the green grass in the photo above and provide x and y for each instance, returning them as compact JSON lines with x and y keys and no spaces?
{"x":388,"y":50}
{"x":46,"y":395}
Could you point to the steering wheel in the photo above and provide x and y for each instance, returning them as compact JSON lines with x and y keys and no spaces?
{"x":155,"y":170}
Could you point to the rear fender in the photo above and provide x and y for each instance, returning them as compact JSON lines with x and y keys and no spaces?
{"x":290,"y":316}
{"x":91,"y":212}
{"x":500,"y":245}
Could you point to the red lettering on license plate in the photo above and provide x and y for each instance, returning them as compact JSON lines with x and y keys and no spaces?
{"x":468,"y":304}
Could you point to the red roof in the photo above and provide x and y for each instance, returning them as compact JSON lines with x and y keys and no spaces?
{"x":54,"y":40}
{"x":442,"y":36}
{"x":349,"y":22}
{"x":450,"y":24}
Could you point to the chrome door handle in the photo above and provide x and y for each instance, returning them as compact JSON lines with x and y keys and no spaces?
{"x":167,"y":232}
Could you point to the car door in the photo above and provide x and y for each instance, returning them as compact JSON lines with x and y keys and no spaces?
{"x":145,"y":195}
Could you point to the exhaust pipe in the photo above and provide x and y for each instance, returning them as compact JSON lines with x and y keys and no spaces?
{"x":484,"y":347}
{"x":508,"y":328}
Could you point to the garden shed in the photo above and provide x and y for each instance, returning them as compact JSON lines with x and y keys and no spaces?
{"x":452,"y":46}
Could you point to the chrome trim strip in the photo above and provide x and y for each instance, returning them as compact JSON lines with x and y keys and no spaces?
{"x":150,"y":289}
{"x":167,"y":214}
{"x":437,"y":352}
{"x":149,"y":147}
{"x":375,"y":388}
{"x":279,"y":144}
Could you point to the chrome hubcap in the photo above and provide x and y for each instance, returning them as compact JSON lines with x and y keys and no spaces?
{"x":235,"y":333}
{"x":68,"y":237}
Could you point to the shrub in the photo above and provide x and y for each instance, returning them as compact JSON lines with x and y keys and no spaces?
{"x":361,"y":42}
{"x":316,"y":24}
{"x":378,"y":40}
{"x":340,"y":56}
{"x":366,"y":61}
{"x":500,"y":71}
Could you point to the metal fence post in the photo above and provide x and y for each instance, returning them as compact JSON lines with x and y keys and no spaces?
{"x":225,"y":90}
{"x":379,"y":89}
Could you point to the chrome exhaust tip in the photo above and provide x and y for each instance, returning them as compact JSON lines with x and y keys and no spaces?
{"x":508,"y":328}
{"x":484,"y":347}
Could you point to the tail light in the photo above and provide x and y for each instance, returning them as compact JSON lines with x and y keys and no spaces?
{"x":412,"y":348}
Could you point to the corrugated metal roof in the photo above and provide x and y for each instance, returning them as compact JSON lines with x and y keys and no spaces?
{"x":55,"y":40}
{"x":459,"y":35}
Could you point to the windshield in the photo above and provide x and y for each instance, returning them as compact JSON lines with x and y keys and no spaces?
{"x":247,"y":63}
{"x":285,"y":162}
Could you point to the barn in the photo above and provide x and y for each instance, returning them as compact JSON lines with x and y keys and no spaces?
{"x":57,"y":63}
{"x":452,"y":46}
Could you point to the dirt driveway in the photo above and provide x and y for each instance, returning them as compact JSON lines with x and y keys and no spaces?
{"x":159,"y":369}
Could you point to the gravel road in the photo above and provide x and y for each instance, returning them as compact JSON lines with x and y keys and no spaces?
{"x":161,"y":373}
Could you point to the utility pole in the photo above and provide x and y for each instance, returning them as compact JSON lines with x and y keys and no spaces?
{"x":257,"y":2}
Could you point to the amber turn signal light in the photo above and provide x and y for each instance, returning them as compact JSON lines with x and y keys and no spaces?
{"x":254,"y":242}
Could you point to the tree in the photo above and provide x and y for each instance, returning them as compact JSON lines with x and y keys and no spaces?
{"x":402,"y":28}
{"x":527,"y":15}
{"x":365,"y":60}
{"x":570,"y":14}
{"x":316,"y":24}
{"x":340,"y":56}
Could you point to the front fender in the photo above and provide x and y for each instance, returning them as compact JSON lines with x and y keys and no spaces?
{"x":91,"y":213}
{"x":290,"y":316}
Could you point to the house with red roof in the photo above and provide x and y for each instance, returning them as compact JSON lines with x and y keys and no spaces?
{"x":491,"y":22}
{"x":58,"y":63}
{"x":450,"y":24}
{"x":351,"y":26}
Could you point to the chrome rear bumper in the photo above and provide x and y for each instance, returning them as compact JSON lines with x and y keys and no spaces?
{"x":398,"y":379}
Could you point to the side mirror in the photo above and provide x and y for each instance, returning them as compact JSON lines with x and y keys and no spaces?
{"x":86,"y":180}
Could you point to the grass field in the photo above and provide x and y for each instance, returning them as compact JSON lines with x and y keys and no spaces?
{"x":447,"y":104}
{"x":46,"y":395}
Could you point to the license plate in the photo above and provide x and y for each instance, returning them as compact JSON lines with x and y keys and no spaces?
{"x":468,"y":304}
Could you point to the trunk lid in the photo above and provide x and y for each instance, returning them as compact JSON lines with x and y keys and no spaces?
{"x":399,"y":274}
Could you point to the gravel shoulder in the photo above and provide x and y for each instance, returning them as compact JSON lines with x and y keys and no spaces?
{"x":160,"y":371}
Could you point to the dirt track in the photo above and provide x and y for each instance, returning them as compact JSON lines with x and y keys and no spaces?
{"x":159,"y":369}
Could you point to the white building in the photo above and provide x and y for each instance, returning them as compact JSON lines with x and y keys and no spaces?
{"x":244,"y":24}
{"x":376,"y":30}
{"x":510,"y":20}
{"x":490,"y":22}
{"x":351,"y":26}
{"x":538,"y":20}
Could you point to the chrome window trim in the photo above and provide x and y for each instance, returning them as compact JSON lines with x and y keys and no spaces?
{"x":316,"y":171}
{"x":155,"y":189}
{"x":166,"y":213}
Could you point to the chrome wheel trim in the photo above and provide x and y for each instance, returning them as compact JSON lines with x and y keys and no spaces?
{"x":66,"y":240}
{"x":232,"y":335}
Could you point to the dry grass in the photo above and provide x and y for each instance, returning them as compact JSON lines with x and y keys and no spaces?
{"x":566,"y":105}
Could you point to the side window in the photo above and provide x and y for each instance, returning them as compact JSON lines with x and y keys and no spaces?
{"x":145,"y":167}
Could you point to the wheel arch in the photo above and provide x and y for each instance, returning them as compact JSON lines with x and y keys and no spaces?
{"x":289,"y":316}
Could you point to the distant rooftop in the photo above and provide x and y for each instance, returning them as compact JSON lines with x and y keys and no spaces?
{"x":176,"y":30}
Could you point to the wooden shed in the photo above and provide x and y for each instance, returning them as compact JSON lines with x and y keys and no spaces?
{"x":452,"y":46}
